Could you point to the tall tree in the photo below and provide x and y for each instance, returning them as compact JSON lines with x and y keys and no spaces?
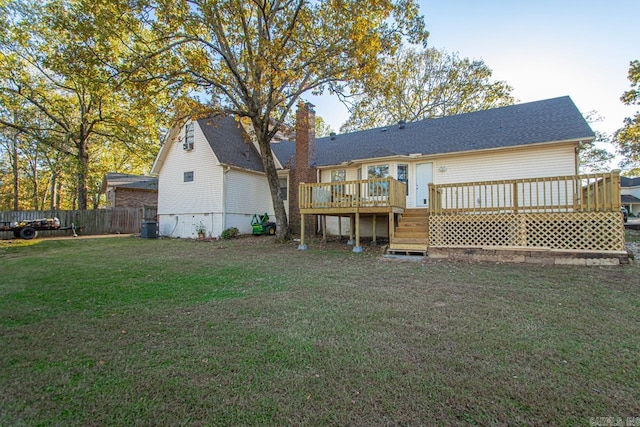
{"x":59,"y":59}
{"x":628,"y":137}
{"x":593,"y":156}
{"x":257,"y":57}
{"x":420,"y":84}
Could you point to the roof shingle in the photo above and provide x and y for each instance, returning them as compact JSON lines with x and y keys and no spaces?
{"x":556,"y":119}
{"x":230,"y":143}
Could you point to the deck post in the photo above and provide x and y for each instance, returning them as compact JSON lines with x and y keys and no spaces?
{"x":357,"y":248}
{"x":324,"y":228}
{"x":340,"y":227}
{"x":302,"y":246}
{"x":374,"y":242}
{"x":351,"y":222}
{"x":391,"y":225}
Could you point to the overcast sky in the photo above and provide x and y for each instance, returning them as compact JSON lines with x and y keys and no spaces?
{"x":542,"y":48}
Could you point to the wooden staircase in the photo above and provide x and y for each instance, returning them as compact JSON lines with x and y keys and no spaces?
{"x":412,"y":233}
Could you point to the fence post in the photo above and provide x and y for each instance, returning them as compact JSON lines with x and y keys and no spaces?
{"x":615,"y":193}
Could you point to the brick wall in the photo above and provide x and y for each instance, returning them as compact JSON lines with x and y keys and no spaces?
{"x":304,"y":170}
{"x":129,"y":198}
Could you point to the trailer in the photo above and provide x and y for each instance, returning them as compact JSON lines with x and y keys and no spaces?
{"x":28,"y":229}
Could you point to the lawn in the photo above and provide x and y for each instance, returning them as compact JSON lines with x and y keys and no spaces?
{"x":129,"y":331}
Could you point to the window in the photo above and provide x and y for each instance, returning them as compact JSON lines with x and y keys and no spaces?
{"x":338,"y":175}
{"x":403,"y":175}
{"x":377,"y":172}
{"x":188,"y":137}
{"x":284,"y":189}
{"x":188,"y":176}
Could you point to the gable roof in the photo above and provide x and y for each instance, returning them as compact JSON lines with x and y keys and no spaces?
{"x":230,"y":143}
{"x":226,"y":137}
{"x":551,"y":120}
{"x":629,"y":182}
{"x":125,"y":180}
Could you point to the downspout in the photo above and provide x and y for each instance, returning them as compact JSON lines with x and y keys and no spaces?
{"x":224,"y":196}
{"x":319,"y":217}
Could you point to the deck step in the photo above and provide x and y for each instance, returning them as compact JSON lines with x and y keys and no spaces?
{"x":407,"y":248}
{"x":409,"y":240}
{"x":414,"y":220}
{"x":412,"y":228}
{"x":410,"y":235}
{"x":415,"y":212}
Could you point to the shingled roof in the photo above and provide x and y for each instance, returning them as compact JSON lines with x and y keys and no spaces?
{"x":629,"y":182}
{"x":230,"y":143}
{"x":125,"y":180}
{"x":551,"y":120}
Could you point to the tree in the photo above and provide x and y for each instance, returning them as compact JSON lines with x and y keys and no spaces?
{"x":628,"y":137}
{"x":322,"y":128}
{"x":592,"y":156}
{"x":420,"y":84}
{"x":59,"y":84}
{"x":257,"y":57}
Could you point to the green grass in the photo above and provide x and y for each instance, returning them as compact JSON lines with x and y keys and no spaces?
{"x":133,"y":331}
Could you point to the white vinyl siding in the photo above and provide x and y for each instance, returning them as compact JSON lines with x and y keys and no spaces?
{"x":183,"y":205}
{"x":248,"y":194}
{"x":529,"y":162}
{"x":203,"y":194}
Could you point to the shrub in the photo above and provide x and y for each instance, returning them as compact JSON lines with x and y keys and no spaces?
{"x":230,"y":233}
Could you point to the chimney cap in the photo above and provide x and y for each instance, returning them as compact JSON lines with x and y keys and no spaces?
{"x":332,"y":135}
{"x":402,"y":123}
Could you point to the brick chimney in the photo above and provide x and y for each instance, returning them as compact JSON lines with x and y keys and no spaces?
{"x":304,"y":169}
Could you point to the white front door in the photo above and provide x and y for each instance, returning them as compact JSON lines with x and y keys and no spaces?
{"x":424,"y":176}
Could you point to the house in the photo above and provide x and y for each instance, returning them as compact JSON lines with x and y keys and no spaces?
{"x":536,"y":139}
{"x":518,"y":162}
{"x":630,"y":194}
{"x":210,"y":175}
{"x":129,"y":191}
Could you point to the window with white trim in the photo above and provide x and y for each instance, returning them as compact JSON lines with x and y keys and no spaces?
{"x":188,"y":137}
{"x":377,"y":188}
{"x":403,"y":175}
{"x":188,"y":176}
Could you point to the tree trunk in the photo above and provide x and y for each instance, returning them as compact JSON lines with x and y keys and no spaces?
{"x":83,"y":171}
{"x":58,"y":193}
{"x":34,"y":177}
{"x":282,"y":222}
{"x":53,"y":190}
{"x":15,"y":171}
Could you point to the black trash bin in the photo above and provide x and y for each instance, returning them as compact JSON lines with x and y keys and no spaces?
{"x":149,"y":230}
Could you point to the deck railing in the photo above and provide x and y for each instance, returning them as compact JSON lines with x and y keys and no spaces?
{"x":579,"y":212}
{"x":598,"y":192}
{"x":365,"y":193}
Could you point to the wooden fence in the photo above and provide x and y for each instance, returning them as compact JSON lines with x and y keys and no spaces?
{"x":91,"y":222}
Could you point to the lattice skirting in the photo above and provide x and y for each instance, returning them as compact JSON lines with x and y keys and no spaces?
{"x":601,"y":231}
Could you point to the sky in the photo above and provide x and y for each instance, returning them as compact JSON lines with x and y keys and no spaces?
{"x":542,"y":48}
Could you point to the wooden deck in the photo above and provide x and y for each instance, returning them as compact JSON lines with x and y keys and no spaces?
{"x":580,"y":212}
{"x":366,"y":196}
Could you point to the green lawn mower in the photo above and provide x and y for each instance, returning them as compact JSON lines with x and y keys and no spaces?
{"x":261,"y":225}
